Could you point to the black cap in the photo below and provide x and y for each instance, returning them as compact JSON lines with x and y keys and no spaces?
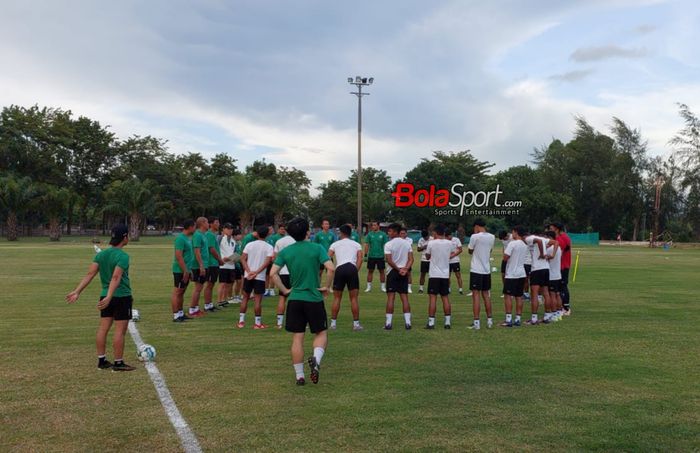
{"x":119,"y":232}
{"x":228,"y":225}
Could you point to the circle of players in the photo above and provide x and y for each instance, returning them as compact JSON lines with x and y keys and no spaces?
{"x":535,"y":267}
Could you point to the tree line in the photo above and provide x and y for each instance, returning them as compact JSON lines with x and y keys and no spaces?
{"x":73,"y":174}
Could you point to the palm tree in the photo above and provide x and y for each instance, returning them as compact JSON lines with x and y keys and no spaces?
{"x":133,"y":198}
{"x":16,"y":196}
{"x":54,"y":203}
{"x":247,"y":194}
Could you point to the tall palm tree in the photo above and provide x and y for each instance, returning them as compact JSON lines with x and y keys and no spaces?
{"x":133,"y":198}
{"x":247,"y":194}
{"x":54,"y":203}
{"x":16,"y":196}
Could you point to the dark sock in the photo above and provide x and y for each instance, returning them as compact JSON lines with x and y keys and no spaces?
{"x":119,"y":362}
{"x":102,"y":360}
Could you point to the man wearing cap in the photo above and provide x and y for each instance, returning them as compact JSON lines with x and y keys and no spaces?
{"x":227,"y":247}
{"x":115,"y":299}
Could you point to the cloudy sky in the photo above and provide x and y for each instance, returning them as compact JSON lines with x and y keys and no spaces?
{"x":268,"y":79}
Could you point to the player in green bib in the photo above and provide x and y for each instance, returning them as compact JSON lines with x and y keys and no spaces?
{"x":250,"y":237}
{"x":199,"y":265}
{"x":305,"y":297}
{"x":181,"y":269}
{"x":214,"y":249}
{"x":281,"y":232}
{"x":374,"y":251}
{"x":115,"y":299}
{"x":354,"y":236}
{"x":324,"y":238}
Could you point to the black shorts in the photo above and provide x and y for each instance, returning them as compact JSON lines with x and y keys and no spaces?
{"x":201,"y":279}
{"x":439,"y":286}
{"x":479,"y":282}
{"x":285,"y":280}
{"x":514,"y":287}
{"x":119,"y":308}
{"x":269,"y":268}
{"x":503,"y":267}
{"x":375,"y":263}
{"x":300,"y":313}
{"x":257,"y":286}
{"x":213,"y":274}
{"x":179,"y":283}
{"x":226,"y":275}
{"x":346,"y":275}
{"x":424,"y":267}
{"x":237,"y":273}
{"x":455,"y":267}
{"x":539,"y":278}
{"x":555,"y":286}
{"x":528,"y":269}
{"x":396,"y":283}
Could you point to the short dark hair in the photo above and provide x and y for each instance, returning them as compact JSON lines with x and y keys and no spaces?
{"x":281,"y":225}
{"x":558,"y":225}
{"x":395,"y":227}
{"x":551,"y":234}
{"x":345,"y":230}
{"x":403,"y":228}
{"x":262,"y":231}
{"x":236,"y":231}
{"x":297,"y":228}
{"x":424,"y":233}
{"x":440,"y":230}
{"x":189,"y":223}
{"x":448,"y":232}
{"x":212,"y":219}
{"x":502,"y":234}
{"x":479,"y":222}
{"x":520,"y":230}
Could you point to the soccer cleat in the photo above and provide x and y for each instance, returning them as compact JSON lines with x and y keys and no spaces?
{"x":197,"y":314}
{"x":106,"y":365}
{"x":279,"y":326}
{"x":489,"y":324}
{"x":260,"y":326}
{"x":408,"y":327}
{"x":179,"y":319}
{"x":333,"y":327}
{"x":516,"y":323}
{"x":388,"y":326}
{"x":429,"y":327}
{"x":301,"y":381}
{"x":224,"y":304}
{"x":410,"y":291}
{"x":266,"y":293}
{"x":474,"y":327}
{"x":315,"y":368}
{"x":272,"y":292}
{"x":461,"y":291}
{"x":530,"y":322}
{"x":448,"y":326}
{"x":368,"y":289}
{"x":240,"y":324}
{"x":469,"y":294}
{"x":546,"y":321}
{"x":502,"y":296}
{"x":567,"y":313}
{"x":122,"y":367}
{"x":506,"y":324}
{"x":357,"y":328}
{"x":420,"y":291}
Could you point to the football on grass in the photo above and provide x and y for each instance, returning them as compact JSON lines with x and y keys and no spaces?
{"x":146,"y":353}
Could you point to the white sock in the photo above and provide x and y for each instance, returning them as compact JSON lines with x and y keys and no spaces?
{"x":333,"y":322}
{"x":241,"y":317}
{"x":194,"y":310}
{"x":420,"y":287}
{"x":407,"y":318}
{"x":389,"y":318}
{"x":180,"y":313}
{"x":318,"y":354}
{"x":448,"y":320}
{"x":547,"y":316}
{"x":534,"y":318}
{"x":299,"y":370}
{"x":477,"y":323}
{"x":517,"y":318}
{"x":101,"y":356}
{"x":356,"y":323}
{"x":461,"y":290}
{"x":509,"y":317}
{"x":280,"y":319}
{"x":383,"y":286}
{"x":258,"y":320}
{"x":489,"y":321}
{"x":431,"y":321}
{"x":209,"y":306}
{"x":176,"y":315}
{"x":369,"y":285}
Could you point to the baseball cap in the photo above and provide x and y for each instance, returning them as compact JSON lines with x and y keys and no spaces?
{"x":119,"y":232}
{"x":228,"y":225}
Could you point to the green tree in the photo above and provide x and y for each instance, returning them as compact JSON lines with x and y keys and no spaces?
{"x":54,"y":201}
{"x":133,"y":198}
{"x":687,"y":145}
{"x":16,"y":197}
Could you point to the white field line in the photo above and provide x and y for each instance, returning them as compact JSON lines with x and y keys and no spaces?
{"x":187,"y":438}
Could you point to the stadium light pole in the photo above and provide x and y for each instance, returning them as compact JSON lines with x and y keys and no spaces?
{"x":359,"y":82}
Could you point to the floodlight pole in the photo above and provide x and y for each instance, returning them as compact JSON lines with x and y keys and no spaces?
{"x":359,"y":82}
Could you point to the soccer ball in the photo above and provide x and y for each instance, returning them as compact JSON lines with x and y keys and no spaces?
{"x":494,"y":269}
{"x":135,"y":315}
{"x":146,"y":353}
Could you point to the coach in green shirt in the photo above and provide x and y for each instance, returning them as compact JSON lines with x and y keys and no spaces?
{"x":181,"y":269}
{"x":305,"y":304}
{"x":325,"y":237}
{"x":374,"y":251}
{"x":273,"y":238}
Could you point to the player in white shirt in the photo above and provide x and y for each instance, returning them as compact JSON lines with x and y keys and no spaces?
{"x":403,"y":234}
{"x":480,"y":246}
{"x":439,"y":251}
{"x":514,"y":276}
{"x":528,"y":268}
{"x":454,"y":261}
{"x":555,"y":284}
{"x":256,"y":256}
{"x":227,"y":248}
{"x":399,"y":259}
{"x":424,"y":261}
{"x":348,"y":260}
{"x":539,"y":275}
{"x":505,"y":238}
{"x":280,"y":245}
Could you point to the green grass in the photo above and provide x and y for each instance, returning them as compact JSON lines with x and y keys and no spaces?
{"x":620,"y":374}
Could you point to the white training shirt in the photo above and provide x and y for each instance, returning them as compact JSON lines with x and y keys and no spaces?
{"x":537,"y":262}
{"x":528,"y":257}
{"x":279,"y":246}
{"x":439,"y":251}
{"x":409,"y":239}
{"x":399,"y":250}
{"x":456,"y":244}
{"x":422,"y":243}
{"x":481,"y":244}
{"x":345,"y":251}
{"x":555,"y":264}
{"x":507,"y":241}
{"x":227,"y":247}
{"x":515,"y":266}
{"x":258,"y":251}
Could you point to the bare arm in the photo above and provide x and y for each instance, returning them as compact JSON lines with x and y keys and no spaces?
{"x":198,"y":256}
{"x":181,"y":262}
{"x":215,"y":254}
{"x":275,"y":276}
{"x":330,"y":271}
{"x":359,"y":259}
{"x":75,"y":294}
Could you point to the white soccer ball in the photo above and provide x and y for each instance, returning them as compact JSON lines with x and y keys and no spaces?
{"x":135,"y":315}
{"x":146,"y":353}
{"x":494,"y":269}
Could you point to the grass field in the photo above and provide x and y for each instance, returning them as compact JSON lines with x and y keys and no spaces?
{"x":622,"y":373}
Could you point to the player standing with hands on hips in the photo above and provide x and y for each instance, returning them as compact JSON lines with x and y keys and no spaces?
{"x":480,"y":246}
{"x":115,"y":299}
